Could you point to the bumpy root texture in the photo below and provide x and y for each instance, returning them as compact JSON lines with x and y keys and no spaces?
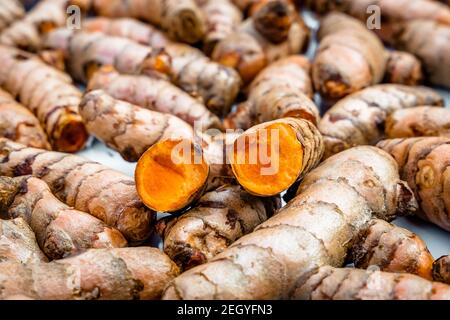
{"x":17,"y":241}
{"x":268,"y":158}
{"x":359,"y":119}
{"x":84,"y":185}
{"x":403,"y":68}
{"x":427,"y":40}
{"x":315,"y":229}
{"x":10,"y":11}
{"x":127,"y":128}
{"x":328,"y":283}
{"x":87,"y":52}
{"x":222,"y":18}
{"x":218,"y":219}
{"x":171,"y":174}
{"x":28,"y":33}
{"x":106,"y":274}
{"x":60,"y":230}
{"x":418,"y":122}
{"x":283,"y":89}
{"x":441,"y":269}
{"x":19,"y":124}
{"x":343,"y":39}
{"x":154,"y":94}
{"x":424,"y":164}
{"x":49,"y":94}
{"x":392,"y":249}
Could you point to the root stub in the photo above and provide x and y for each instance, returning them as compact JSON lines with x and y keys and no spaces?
{"x":72,"y":135}
{"x":171,"y":175}
{"x":268,"y":159}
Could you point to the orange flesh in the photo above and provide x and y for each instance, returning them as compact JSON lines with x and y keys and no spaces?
{"x":286,"y":159}
{"x":72,"y":136}
{"x":165,"y":185}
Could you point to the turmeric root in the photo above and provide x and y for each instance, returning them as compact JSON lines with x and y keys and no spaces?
{"x":359,"y":119}
{"x":19,"y":124}
{"x":18,"y":243}
{"x":85,"y":185}
{"x":328,"y":283}
{"x":270,"y":157}
{"x":403,"y":68}
{"x":154,"y":94}
{"x":424,"y":163}
{"x":10,"y":11}
{"x":428,"y":40}
{"x":107,"y":274}
{"x":49,"y":94}
{"x":418,"y":122}
{"x":222,"y":18}
{"x":87,"y":52}
{"x":343,"y":39}
{"x":441,"y":269}
{"x":317,"y":228}
{"x":218,"y":219}
{"x":127,"y":128}
{"x":60,"y":230}
{"x":182,"y":19}
{"x":392,"y":249}
{"x":28,"y":33}
{"x":281,"y":90}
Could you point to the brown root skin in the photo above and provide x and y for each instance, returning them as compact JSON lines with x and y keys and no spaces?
{"x":84,"y":185}
{"x":49,"y":94}
{"x":441,"y":269}
{"x":418,"y":122}
{"x":424,"y":164}
{"x":403,"y":68}
{"x":60,"y":230}
{"x":392,"y":249}
{"x":315,"y":229}
{"x":328,"y":283}
{"x":359,"y":119}
{"x":106,"y":274}
{"x":274,"y":19}
{"x":19,"y":124}
{"x":10,"y":11}
{"x":18,"y":243}
{"x":127,"y":128}
{"x":154,"y":94}
{"x":342,"y":39}
{"x":218,"y":219}
{"x":282,"y":89}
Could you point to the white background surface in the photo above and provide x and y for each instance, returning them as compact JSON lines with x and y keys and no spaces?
{"x":438,"y":240}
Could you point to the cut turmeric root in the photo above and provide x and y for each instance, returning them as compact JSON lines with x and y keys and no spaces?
{"x":441,"y":269}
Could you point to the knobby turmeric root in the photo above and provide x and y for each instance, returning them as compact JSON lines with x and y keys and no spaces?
{"x":328,"y":283}
{"x":418,"y":122}
{"x":268,"y":158}
{"x":359,"y":119}
{"x":10,"y":11}
{"x":60,"y":230}
{"x":315,"y":229}
{"x":217,"y":220}
{"x":49,"y":94}
{"x":19,"y":124}
{"x":343,"y":39}
{"x":85,"y":185}
{"x":403,"y":68}
{"x":87,"y":52}
{"x":425,"y":164}
{"x":28,"y":33}
{"x":127,"y":128}
{"x":154,"y":94}
{"x":189,"y":68}
{"x":107,"y":274}
{"x":441,"y":269}
{"x":392,"y":249}
{"x":282,"y":89}
{"x":18,"y":243}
